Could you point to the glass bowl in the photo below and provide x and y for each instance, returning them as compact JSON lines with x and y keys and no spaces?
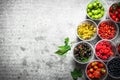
{"x":87,"y":30}
{"x":83,"y":52}
{"x":107,"y":29}
{"x":96,"y":9}
{"x":96,"y":70}
{"x":105,"y":50}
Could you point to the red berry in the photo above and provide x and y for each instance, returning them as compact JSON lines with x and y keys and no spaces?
{"x":100,"y":65}
{"x":119,"y":16}
{"x":114,"y":17}
{"x":90,"y":76}
{"x":97,"y":74}
{"x":104,"y":57}
{"x":95,"y":67}
{"x":111,"y":53}
{"x":88,"y":71}
{"x":119,"y":10}
{"x":116,"y":12}
{"x":91,"y":70}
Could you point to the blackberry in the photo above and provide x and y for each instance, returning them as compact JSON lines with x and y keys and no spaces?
{"x":114,"y":67}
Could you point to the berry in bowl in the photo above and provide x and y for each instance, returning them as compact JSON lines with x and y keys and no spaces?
{"x":87,"y":30}
{"x":96,"y":70}
{"x":114,"y":67}
{"x":114,"y":11}
{"x":83,"y":52}
{"x":96,"y":9}
{"x":107,"y":29}
{"x":105,"y":50}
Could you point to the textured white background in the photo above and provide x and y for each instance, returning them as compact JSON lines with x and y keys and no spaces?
{"x":31,"y":30}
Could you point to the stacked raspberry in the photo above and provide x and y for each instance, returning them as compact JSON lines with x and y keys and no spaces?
{"x":104,"y":50}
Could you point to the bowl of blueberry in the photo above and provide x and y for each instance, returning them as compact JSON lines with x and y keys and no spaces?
{"x":114,"y":67}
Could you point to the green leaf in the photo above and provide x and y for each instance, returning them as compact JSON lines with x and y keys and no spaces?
{"x":85,"y":59}
{"x":62,"y":50}
{"x":65,"y":48}
{"x":66,"y":41}
{"x":76,"y":73}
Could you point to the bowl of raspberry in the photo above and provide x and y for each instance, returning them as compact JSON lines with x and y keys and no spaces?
{"x":105,"y":50}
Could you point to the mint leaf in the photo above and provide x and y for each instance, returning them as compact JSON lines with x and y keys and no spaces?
{"x":65,"y":48}
{"x":76,"y":73}
{"x":66,"y":41}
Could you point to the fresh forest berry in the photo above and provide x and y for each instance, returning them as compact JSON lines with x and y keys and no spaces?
{"x":104,"y":50}
{"x":96,"y":70}
{"x":107,"y":30}
{"x":114,"y":67}
{"x":114,"y":11}
{"x":95,"y":9}
{"x":83,"y":52}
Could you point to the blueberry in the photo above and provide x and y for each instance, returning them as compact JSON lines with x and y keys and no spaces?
{"x":114,"y":67}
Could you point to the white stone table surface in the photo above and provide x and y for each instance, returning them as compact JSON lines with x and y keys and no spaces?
{"x":31,"y":30}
